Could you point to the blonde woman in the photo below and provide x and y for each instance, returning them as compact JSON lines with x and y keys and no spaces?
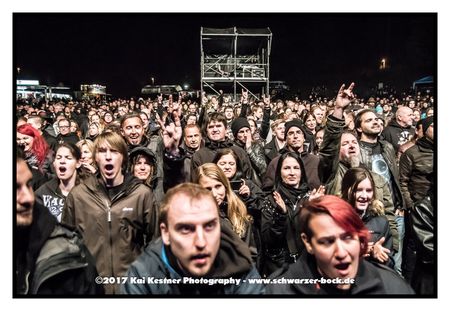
{"x":231,"y":209}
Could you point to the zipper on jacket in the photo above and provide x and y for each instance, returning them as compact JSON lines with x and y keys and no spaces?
{"x":109,"y":213}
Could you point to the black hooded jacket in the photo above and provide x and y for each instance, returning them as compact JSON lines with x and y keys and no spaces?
{"x":371,"y":279}
{"x":157,"y":262}
{"x":52,"y":260}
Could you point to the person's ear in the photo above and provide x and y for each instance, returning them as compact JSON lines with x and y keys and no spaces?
{"x":164,"y":233}
{"x":307,"y":243}
{"x":78,"y":164}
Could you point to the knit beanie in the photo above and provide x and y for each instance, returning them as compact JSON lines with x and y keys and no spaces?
{"x":239,"y":123}
{"x":426,"y":124}
{"x":295,"y":122}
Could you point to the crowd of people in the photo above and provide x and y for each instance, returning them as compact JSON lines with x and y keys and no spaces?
{"x":184,"y":195}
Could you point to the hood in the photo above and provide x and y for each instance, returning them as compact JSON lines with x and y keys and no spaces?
{"x":232,"y":260}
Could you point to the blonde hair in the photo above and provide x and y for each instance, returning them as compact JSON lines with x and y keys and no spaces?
{"x":237,"y":211}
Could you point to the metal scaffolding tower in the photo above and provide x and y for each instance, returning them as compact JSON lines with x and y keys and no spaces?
{"x":232,"y":57}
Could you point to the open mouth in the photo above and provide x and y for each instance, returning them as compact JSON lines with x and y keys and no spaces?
{"x":62,"y":169}
{"x":342,"y":266}
{"x":109,"y":167}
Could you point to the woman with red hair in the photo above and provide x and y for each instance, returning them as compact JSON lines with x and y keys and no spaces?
{"x":335,"y":239}
{"x":37,"y":152}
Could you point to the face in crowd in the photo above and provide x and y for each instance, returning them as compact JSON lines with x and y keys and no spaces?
{"x":370,"y":124}
{"x":65,"y":164}
{"x":311,"y":123}
{"x":192,"y":137}
{"x":279,"y":131}
{"x":336,"y":246}
{"x":295,"y":138}
{"x":291,"y":172}
{"x":227,"y":164}
{"x":142,"y":167}
{"x":216,"y":131}
{"x":217,"y":188}
{"x":25,"y":140}
{"x":349,"y":150}
{"x":86,"y":155}
{"x":192,"y":232}
{"x":64,"y":127}
{"x":243,"y":134}
{"x":109,"y":162}
{"x":24,"y":195}
{"x":133,"y":130}
{"x":319,"y":137}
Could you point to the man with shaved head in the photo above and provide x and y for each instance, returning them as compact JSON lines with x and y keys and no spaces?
{"x":400,"y":130}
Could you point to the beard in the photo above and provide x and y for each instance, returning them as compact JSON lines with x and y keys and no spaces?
{"x":352,"y":161}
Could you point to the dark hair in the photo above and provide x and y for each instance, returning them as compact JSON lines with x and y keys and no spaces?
{"x":296,"y":156}
{"x":342,"y":214}
{"x":74,"y":150}
{"x":218,"y":117}
{"x":222,"y":152}
{"x":358,"y":117}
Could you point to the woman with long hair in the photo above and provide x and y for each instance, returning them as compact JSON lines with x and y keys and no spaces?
{"x":53,"y":193}
{"x":358,"y":189}
{"x":88,"y":164}
{"x":247,"y":190}
{"x":231,"y":209}
{"x":37,"y":152}
{"x":279,"y":228}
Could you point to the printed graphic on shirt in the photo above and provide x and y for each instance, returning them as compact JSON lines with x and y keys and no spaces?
{"x":404,"y":137}
{"x":54,"y":205}
{"x":380,"y":167}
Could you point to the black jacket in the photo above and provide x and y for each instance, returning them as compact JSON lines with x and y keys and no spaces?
{"x":416,"y":171}
{"x":52,"y":260}
{"x":371,"y":279}
{"x":207,"y":154}
{"x":397,"y":135}
{"x":69,"y":138}
{"x":378,"y":226}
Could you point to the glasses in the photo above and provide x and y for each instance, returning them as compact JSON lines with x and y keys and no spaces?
{"x":64,"y":126}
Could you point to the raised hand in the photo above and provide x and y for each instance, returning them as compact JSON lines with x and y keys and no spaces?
{"x":317,"y":193}
{"x":266,"y":100}
{"x":279,"y":200}
{"x":171,"y":133}
{"x":244,"y":97}
{"x":345,"y":96}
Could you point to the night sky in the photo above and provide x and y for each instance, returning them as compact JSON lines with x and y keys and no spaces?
{"x":123,"y":51}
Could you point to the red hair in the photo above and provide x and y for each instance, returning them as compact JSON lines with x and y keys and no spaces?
{"x":40,"y":146}
{"x":340,"y":211}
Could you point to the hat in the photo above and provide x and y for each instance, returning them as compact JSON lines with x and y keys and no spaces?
{"x":426,"y":123}
{"x":239,"y":123}
{"x":142,"y":150}
{"x":289,"y":124}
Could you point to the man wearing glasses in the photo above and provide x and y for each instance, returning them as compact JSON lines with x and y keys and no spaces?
{"x":65,"y":135}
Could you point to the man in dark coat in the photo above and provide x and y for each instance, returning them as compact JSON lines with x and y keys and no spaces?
{"x":216,"y":140}
{"x":49,"y":258}
{"x":65,"y":135}
{"x":196,"y":252}
{"x":400,"y":131}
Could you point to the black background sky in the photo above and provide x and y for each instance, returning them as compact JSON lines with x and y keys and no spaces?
{"x":122,"y":51}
